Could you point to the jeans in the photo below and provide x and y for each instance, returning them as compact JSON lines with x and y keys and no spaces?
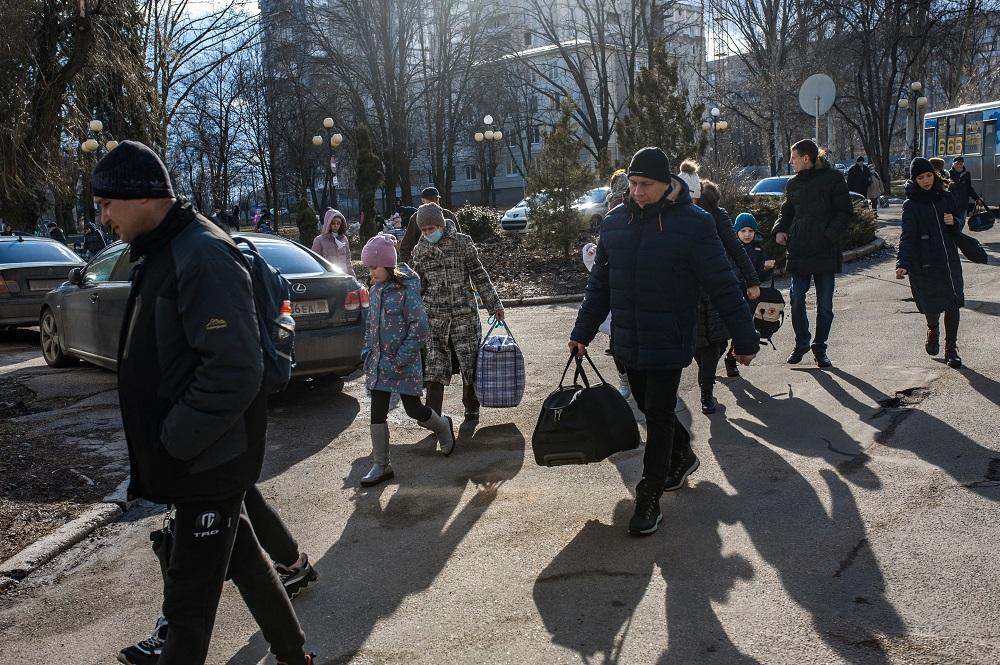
{"x":211,"y":537}
{"x":824,"y":310}
{"x":655,"y":393}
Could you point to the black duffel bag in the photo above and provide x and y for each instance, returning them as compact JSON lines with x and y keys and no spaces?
{"x":585,"y":423}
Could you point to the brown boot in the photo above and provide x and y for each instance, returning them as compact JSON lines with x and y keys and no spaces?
{"x":933,"y":345}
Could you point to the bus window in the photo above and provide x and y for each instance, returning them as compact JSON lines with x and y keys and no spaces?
{"x":973,"y":133}
{"x":956,"y":133}
{"x":930,"y":139}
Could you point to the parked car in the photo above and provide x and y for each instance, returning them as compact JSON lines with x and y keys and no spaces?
{"x":30,"y":267}
{"x":515,"y":220}
{"x":593,"y":206}
{"x":775,"y":186}
{"x":82,"y":318}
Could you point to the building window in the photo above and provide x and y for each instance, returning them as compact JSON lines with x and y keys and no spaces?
{"x":536,"y":134}
{"x":512,"y":167}
{"x":471,"y":172}
{"x":527,"y":38}
{"x":533,"y":104}
{"x":614,"y":18}
{"x":511,"y":139}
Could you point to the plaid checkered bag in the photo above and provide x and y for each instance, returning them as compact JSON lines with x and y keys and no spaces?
{"x":499,"y":370}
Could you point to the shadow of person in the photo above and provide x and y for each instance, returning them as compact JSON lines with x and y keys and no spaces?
{"x":983,"y":306}
{"x":393,"y":548}
{"x":983,"y":385}
{"x":587,"y":596}
{"x":975,"y":467}
{"x":798,"y":426}
{"x":823,"y":560}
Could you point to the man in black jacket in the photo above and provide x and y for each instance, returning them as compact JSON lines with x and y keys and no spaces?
{"x":814,"y":217}
{"x":657,"y":253}
{"x":412,"y":235}
{"x":961,"y":189}
{"x":859,"y":177}
{"x":189,"y":376}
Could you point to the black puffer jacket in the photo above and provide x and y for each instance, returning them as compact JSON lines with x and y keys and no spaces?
{"x":927,"y":250}
{"x":651,"y":266}
{"x":190,"y":365}
{"x":962,"y":189}
{"x":815,"y":215}
{"x":711,"y":328}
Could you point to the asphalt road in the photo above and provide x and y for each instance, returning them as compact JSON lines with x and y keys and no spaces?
{"x":845,"y":516}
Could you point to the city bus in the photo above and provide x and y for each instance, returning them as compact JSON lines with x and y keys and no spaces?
{"x":969,"y":131}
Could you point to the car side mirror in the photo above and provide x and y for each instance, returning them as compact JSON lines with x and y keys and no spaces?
{"x":76,"y":276}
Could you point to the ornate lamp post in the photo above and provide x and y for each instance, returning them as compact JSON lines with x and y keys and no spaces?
{"x":492,"y":138}
{"x":713,"y":124}
{"x":92,"y":146}
{"x":919,"y":102}
{"x":333,"y":140}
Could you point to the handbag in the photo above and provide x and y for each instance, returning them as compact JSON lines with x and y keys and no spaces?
{"x":581,"y":424}
{"x":982,"y":218}
{"x":971,"y":247}
{"x":499,"y":369}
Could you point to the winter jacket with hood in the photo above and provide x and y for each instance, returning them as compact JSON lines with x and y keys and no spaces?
{"x":396,"y":330}
{"x":927,"y":250}
{"x":651,"y":266}
{"x":334,"y":248}
{"x":859,"y":177}
{"x":815,"y":214}
{"x":449,"y":270}
{"x":190,"y":365}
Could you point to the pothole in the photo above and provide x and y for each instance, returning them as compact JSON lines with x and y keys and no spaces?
{"x":906,"y":397}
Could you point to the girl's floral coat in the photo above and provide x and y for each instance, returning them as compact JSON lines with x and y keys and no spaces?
{"x":397,"y":329}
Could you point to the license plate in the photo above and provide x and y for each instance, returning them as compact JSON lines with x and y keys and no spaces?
{"x":44,"y":284}
{"x":303,"y":307}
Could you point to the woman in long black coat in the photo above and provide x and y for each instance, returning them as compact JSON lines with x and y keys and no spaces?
{"x":713,"y":336}
{"x":929,"y":256}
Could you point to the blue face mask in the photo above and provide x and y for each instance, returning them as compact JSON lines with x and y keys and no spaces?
{"x":433,"y":238}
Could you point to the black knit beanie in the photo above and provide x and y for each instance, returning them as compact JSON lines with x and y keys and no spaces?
{"x":650,"y":163}
{"x":920,"y":165}
{"x":131,"y":171}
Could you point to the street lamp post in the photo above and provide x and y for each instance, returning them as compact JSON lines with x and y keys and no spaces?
{"x":92,"y":146}
{"x":492,"y":138}
{"x":919,"y":102}
{"x":713,"y":123}
{"x":333,"y":140}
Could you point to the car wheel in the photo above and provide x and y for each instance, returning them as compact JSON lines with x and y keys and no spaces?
{"x":51,"y":346}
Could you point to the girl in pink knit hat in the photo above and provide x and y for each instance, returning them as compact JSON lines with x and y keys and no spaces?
{"x":396,"y":331}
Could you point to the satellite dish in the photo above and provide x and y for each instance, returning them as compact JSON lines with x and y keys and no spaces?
{"x":817,"y":94}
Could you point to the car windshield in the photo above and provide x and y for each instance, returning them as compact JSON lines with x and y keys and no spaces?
{"x":770,"y":186}
{"x":289,"y":259}
{"x":597,"y":195}
{"x":36,"y":252}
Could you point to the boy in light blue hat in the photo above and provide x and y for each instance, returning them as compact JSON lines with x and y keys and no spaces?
{"x":747,"y":229}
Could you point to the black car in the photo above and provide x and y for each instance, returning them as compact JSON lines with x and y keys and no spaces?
{"x":82,"y":318}
{"x":30,"y":267}
{"x":775,"y":186}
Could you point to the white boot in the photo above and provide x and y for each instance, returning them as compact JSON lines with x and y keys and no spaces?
{"x":445,"y":431}
{"x":381,"y":469}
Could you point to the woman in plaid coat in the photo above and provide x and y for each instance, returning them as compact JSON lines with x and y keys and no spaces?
{"x":449,"y":267}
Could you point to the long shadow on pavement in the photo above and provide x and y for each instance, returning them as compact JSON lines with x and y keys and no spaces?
{"x":392,"y":549}
{"x":970,"y":464}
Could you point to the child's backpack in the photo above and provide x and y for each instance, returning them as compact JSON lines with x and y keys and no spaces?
{"x":271,"y":292}
{"x":768,"y":313}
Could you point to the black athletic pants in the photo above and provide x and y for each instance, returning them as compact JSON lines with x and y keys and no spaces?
{"x":951,"y":320}
{"x":411,"y":403}
{"x":209,"y":539}
{"x":655,"y":394}
{"x":707,"y":358}
{"x":271,"y":532}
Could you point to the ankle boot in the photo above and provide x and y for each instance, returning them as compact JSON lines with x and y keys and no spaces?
{"x":933,"y":345}
{"x":381,"y":469}
{"x":708,"y":402}
{"x":951,"y":356}
{"x":732,"y":369}
{"x":442,"y":427}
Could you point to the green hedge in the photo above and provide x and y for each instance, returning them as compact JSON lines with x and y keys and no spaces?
{"x":766,"y":209}
{"x":480,"y":222}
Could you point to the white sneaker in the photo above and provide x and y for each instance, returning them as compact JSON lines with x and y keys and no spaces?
{"x":623,"y":388}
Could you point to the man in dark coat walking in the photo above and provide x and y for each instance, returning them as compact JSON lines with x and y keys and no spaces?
{"x":412,"y":235}
{"x":859,"y":177}
{"x":814,"y":217}
{"x":189,"y":384}
{"x":657,"y":253}
{"x":961,"y":189}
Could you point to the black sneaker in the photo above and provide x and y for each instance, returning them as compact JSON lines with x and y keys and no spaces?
{"x":822,"y":360}
{"x":684,"y":468}
{"x":146,"y":652}
{"x":297,"y":577}
{"x":647,"y":516}
{"x":796,"y":356}
{"x":708,"y":403}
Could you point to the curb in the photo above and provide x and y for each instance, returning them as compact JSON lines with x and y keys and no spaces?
{"x":49,"y":547}
{"x":850,"y":255}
